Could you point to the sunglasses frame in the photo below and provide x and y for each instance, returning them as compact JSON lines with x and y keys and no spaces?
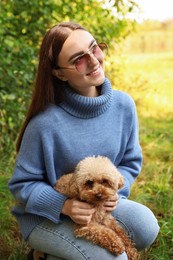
{"x":103,"y":46}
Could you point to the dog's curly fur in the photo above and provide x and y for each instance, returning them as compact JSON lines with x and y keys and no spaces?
{"x":95,"y":180}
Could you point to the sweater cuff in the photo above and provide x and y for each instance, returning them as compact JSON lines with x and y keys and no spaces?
{"x":46,"y":202}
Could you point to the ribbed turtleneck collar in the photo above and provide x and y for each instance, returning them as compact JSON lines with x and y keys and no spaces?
{"x":87,"y":107}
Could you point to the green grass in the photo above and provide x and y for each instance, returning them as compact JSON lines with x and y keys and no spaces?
{"x":154,"y":187}
{"x":12,"y":247}
{"x":149,"y":79}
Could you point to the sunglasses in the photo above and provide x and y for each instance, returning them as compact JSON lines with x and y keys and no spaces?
{"x":81,"y":62}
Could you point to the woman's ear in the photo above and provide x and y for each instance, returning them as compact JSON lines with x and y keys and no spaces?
{"x":59,"y":74}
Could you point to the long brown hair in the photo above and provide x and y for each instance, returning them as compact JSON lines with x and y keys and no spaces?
{"x":48,"y":88}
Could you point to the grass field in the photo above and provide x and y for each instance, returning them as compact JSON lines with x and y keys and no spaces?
{"x":157,"y":71}
{"x":154,"y":187}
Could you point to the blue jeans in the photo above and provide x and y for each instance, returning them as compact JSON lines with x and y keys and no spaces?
{"x":59,"y":242}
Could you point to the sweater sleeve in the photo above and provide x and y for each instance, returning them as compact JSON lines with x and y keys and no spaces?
{"x":34,"y":177}
{"x":131,"y":163}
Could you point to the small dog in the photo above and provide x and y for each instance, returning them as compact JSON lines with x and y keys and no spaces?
{"x":95,"y":180}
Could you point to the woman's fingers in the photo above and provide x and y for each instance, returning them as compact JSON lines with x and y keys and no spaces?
{"x":79,"y":212}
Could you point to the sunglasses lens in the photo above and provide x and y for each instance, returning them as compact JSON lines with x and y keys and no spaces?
{"x":81,"y":63}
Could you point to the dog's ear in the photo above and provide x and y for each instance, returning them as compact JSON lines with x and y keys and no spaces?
{"x":62,"y":184}
{"x":73,"y":189}
{"x":121,"y":182}
{"x":67,"y":185}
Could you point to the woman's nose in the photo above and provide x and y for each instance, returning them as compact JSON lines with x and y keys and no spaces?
{"x":92,"y":59}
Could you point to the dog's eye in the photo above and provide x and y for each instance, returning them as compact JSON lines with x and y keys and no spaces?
{"x":89,"y":184}
{"x":105,"y":182}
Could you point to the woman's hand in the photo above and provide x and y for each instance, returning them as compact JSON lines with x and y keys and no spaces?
{"x":111,"y":204}
{"x":80,"y":212}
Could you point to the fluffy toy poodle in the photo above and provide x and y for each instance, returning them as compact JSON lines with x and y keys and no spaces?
{"x":95,"y":180}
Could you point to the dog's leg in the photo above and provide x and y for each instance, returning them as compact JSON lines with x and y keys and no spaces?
{"x":129,"y":247}
{"x":102,"y":236}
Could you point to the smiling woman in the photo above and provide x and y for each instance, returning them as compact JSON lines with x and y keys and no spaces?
{"x":85,"y":60}
{"x":74,"y":114}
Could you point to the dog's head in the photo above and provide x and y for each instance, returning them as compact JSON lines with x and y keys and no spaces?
{"x":95,"y":179}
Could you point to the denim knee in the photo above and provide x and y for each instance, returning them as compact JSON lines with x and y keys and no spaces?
{"x":146,"y":229}
{"x":139,"y":221}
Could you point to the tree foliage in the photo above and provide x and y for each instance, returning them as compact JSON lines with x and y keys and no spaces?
{"x":22,"y":26}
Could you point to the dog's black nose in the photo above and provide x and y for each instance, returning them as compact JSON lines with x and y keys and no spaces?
{"x":98,"y":196}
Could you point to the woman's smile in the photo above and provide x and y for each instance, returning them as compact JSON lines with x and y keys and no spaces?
{"x":95,"y":72}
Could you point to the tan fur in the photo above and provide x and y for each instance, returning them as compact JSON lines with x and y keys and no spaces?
{"x":95,"y":180}
{"x":37,"y":255}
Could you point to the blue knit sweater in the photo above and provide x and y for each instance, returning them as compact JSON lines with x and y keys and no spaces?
{"x":58,"y":138}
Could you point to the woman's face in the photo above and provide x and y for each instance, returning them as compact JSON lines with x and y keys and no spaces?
{"x":86,"y":72}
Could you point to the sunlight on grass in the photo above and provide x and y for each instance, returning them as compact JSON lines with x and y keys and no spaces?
{"x":157,"y":70}
{"x":155,"y":106}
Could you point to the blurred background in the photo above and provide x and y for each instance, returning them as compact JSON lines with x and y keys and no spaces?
{"x":139,"y":61}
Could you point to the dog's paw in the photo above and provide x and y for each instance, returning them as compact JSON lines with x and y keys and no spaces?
{"x":132,"y":253}
{"x":115,"y":247}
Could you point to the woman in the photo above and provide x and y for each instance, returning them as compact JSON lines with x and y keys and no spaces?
{"x":74,"y":113}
